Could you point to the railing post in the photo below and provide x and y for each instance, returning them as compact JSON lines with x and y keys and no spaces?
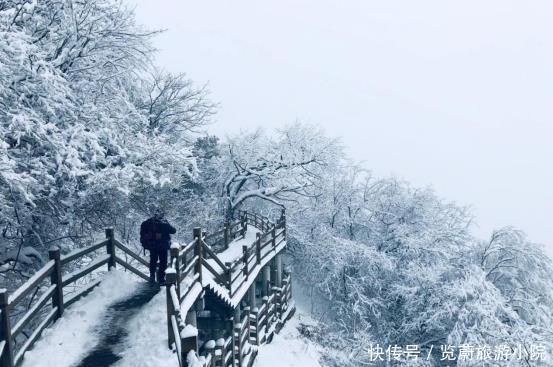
{"x":175,"y":249}
{"x":268,"y":317}
{"x":110,"y":248}
{"x":284,"y":224}
{"x":188,"y":343}
{"x":170,"y":280}
{"x":236,"y":338}
{"x":189,"y":340}
{"x":220,"y":346}
{"x":204,"y":235}
{"x":246,"y":331}
{"x":226,"y":234}
{"x":228,"y":273}
{"x":6,"y":358}
{"x":55,"y":279}
{"x":277,"y":295}
{"x":197,"y":233}
{"x":244,"y":224}
{"x":266,"y":280}
{"x":278,"y":263}
{"x":245,"y":260}
{"x":273,"y":236}
{"x":265,"y":308}
{"x":252,"y":301}
{"x":253,"y":311}
{"x":272,"y":266}
{"x":258,"y":247}
{"x":210,"y":350}
{"x":290,"y":284}
{"x":284,"y":295}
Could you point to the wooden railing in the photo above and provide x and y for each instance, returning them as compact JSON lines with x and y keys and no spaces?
{"x":237,"y":273}
{"x":221,"y":238}
{"x":184,"y":285}
{"x":51,"y":302}
{"x":272,"y":312}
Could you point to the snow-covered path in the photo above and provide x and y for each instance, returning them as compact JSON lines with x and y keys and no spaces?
{"x":115,"y":329}
{"x":79,"y":331}
{"x":146,"y":342}
{"x":289,"y":348}
{"x":121,"y":323}
{"x":234,"y":250}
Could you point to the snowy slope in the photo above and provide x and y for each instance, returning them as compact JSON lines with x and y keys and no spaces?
{"x":289,"y":348}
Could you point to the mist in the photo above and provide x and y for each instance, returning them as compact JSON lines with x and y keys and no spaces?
{"x":453,"y":95}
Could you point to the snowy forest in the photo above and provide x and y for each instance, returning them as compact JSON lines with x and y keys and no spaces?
{"x":93,"y":134}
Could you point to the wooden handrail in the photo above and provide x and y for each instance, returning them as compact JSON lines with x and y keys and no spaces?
{"x":54,"y":292}
{"x":31,"y":284}
{"x":131,"y":253}
{"x":217,"y":276}
{"x":78,"y":253}
{"x":35,"y":335}
{"x":176,"y":336}
{"x":232,"y":275}
{"x":79,"y":273}
{"x":190,"y":265}
{"x":32,"y":312}
{"x":214,"y":234}
{"x":235,"y":224}
{"x":192,"y":285}
{"x":213,"y":256}
{"x":187,"y":248}
{"x":131,"y":268}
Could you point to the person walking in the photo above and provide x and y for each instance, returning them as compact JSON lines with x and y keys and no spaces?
{"x":155,"y":236}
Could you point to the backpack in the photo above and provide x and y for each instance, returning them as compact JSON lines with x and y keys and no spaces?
{"x":150,"y":236}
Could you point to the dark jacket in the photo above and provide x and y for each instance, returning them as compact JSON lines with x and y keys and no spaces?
{"x":156,"y":233}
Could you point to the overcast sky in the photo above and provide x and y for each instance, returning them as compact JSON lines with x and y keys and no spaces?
{"x":453,"y":94}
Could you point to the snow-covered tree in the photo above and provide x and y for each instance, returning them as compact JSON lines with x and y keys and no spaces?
{"x":275,"y":168}
{"x":397,"y":265}
{"x":84,"y":123}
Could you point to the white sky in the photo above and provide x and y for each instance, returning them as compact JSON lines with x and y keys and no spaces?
{"x":453,"y":94}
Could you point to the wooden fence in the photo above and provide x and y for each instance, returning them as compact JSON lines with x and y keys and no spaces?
{"x":53,"y":300}
{"x":184,"y":284}
{"x":272,"y":313}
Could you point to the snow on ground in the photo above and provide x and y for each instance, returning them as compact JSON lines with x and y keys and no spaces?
{"x":289,"y":348}
{"x":68,"y":340}
{"x":234,"y":250}
{"x":146,"y":343}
